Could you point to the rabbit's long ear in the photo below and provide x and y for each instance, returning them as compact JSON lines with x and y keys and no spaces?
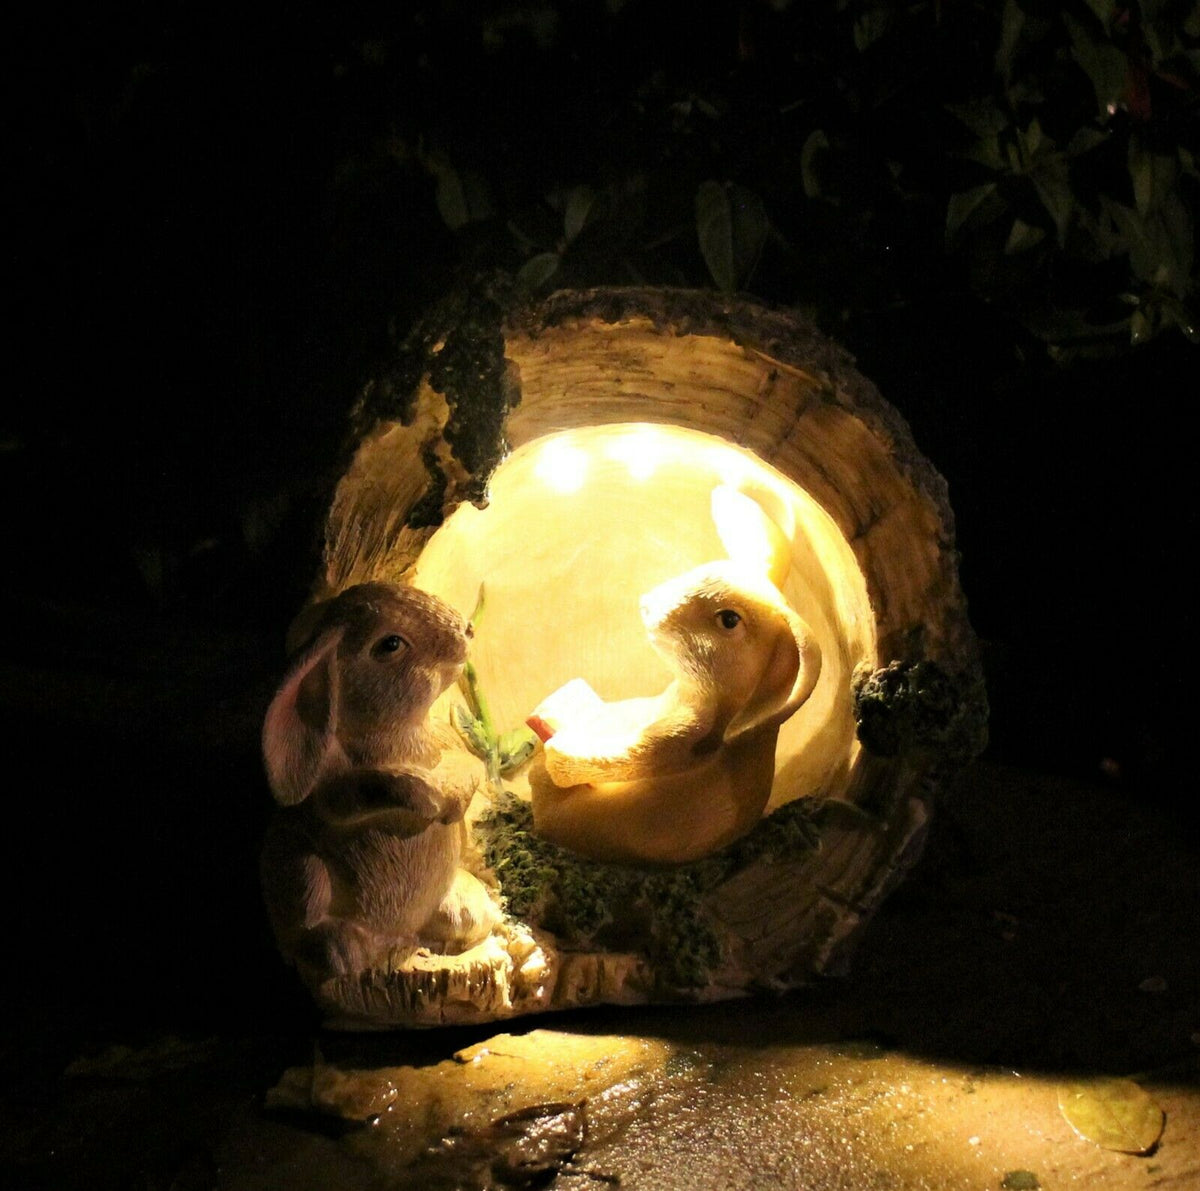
{"x":790,"y":675}
{"x":299,"y":732}
{"x":751,"y":537}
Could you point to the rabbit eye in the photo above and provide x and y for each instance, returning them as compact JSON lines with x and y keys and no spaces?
{"x":392,"y":643}
{"x":729,"y":618}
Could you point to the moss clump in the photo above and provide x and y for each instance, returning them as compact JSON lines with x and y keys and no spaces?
{"x":428,"y":509}
{"x":459,"y":347}
{"x":908,"y":706}
{"x":473,"y":374}
{"x":658,"y":911}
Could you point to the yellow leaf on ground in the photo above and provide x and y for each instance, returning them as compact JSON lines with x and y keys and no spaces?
{"x":1113,"y":1113}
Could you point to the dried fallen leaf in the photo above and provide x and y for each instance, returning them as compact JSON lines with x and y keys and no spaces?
{"x":1020,"y":1180}
{"x":1114,"y":1113}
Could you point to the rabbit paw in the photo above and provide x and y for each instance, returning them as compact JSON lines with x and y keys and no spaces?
{"x":336,"y":947}
{"x":465,"y":917}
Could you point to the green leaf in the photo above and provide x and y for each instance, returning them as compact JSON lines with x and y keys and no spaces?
{"x":579,"y":205}
{"x":1125,"y":227}
{"x":816,"y":144}
{"x":987,"y":152}
{"x":1178,"y":244}
{"x":1116,"y":1114}
{"x":1026,"y":89}
{"x":450,"y":195}
{"x":965,"y":204}
{"x":1033,"y":139}
{"x":1161,"y":246}
{"x":477,"y":195}
{"x":1053,"y":186}
{"x":750,"y":226}
{"x":1185,"y":319}
{"x":480,"y":606}
{"x":1010,"y":33}
{"x":1141,"y":171}
{"x":1023,"y":237}
{"x":1020,"y":1180}
{"x":516,"y":747}
{"x":1084,"y":140}
{"x":870,"y":26}
{"x":1105,"y":65}
{"x":1105,"y":10}
{"x":714,"y":227}
{"x":471,"y":730}
{"x":1159,"y":28}
{"x":1067,"y":327}
{"x":1175,"y":313}
{"x":538,"y":270}
{"x":983,"y":117}
{"x":1154,"y":176}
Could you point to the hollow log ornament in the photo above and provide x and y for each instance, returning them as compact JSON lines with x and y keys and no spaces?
{"x":654,"y":903}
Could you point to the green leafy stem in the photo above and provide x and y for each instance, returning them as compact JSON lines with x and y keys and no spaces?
{"x":501,"y":752}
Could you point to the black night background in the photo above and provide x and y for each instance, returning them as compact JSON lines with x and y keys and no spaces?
{"x":222,"y":223}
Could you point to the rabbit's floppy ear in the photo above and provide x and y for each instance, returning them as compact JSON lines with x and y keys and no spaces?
{"x":787,"y":681}
{"x":300,"y":728}
{"x":750,"y":536}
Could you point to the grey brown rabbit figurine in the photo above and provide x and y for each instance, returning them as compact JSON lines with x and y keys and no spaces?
{"x":363,"y":856}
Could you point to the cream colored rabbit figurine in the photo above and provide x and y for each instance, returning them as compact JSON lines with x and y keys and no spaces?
{"x":363,"y":856}
{"x":671,"y":778}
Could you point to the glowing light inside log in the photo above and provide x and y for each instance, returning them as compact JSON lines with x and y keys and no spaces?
{"x":582,"y":523}
{"x":640,"y":450}
{"x":562,"y":466}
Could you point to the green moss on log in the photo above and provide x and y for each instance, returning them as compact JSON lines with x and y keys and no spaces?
{"x":459,"y":348}
{"x":910,"y":706}
{"x":588,"y":904}
{"x":428,"y":511}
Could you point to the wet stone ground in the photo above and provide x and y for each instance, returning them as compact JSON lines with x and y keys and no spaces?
{"x":1047,"y":942}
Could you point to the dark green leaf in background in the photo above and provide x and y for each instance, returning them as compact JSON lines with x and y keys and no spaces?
{"x":815,"y":146}
{"x":965,"y":205}
{"x":1023,"y":237}
{"x":580,"y":202}
{"x":538,"y":270}
{"x":714,"y":227}
{"x":1011,"y":25}
{"x":1105,"y":64}
{"x":871,"y":25}
{"x":750,"y":225}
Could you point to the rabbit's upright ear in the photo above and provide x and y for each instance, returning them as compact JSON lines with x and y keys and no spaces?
{"x":751,"y":537}
{"x":299,"y":732}
{"x":791,"y":673}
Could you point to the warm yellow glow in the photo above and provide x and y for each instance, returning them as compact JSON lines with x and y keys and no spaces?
{"x":583,"y":523}
{"x":562,"y":466}
{"x":640,"y":450}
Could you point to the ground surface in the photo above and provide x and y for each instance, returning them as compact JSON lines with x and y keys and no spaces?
{"x":1048,"y":934}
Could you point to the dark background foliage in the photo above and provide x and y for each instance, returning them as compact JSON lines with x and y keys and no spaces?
{"x":224,"y":222}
